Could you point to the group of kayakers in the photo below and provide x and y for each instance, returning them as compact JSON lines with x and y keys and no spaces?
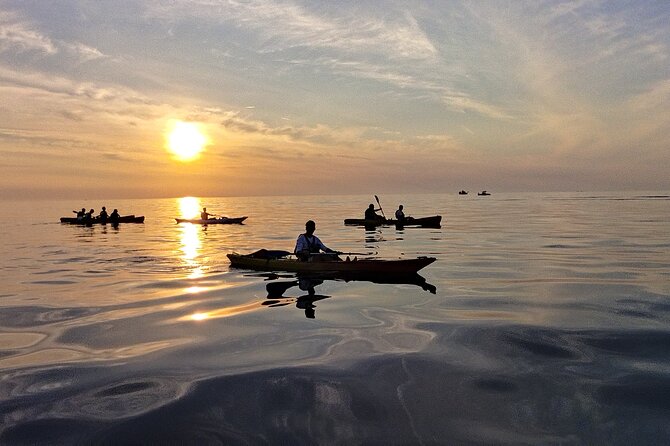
{"x":306,"y":245}
{"x":103,"y":217}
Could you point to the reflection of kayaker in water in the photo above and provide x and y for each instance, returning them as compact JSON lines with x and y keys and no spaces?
{"x":308,"y":243}
{"x":306,"y":302}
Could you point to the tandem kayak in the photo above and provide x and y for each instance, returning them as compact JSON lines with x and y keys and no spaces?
{"x":213,"y":221}
{"x":97,"y":221}
{"x":260,"y":260}
{"x":426,"y":222}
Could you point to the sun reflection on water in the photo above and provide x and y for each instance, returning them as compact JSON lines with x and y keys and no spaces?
{"x":223,"y":312}
{"x":189,"y":207}
{"x":190,"y":239}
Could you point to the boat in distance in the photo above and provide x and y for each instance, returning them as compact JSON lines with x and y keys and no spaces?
{"x":98,"y":220}
{"x":261,"y":261}
{"x":212,"y":221}
{"x":426,"y":222}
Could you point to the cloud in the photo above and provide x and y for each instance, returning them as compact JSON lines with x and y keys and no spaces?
{"x":320,"y":134}
{"x":282,"y":25}
{"x":20,"y":36}
{"x":84,"y":52}
{"x":468,"y":104}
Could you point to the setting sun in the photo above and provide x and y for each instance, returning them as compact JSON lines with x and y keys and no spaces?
{"x":186,"y":141}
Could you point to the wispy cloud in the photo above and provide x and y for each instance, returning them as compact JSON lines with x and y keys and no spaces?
{"x":282,"y":25}
{"x":19,"y":35}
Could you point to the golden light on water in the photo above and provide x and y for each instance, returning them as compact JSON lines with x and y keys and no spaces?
{"x":191,"y":243}
{"x":186,"y":141}
{"x":189,"y":207}
{"x":224,"y":312}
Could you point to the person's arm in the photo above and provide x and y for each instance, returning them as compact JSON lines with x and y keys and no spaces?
{"x":323,"y":247}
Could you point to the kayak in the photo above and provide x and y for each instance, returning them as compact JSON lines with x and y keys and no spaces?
{"x":426,"y":222}
{"x":97,"y":221}
{"x":213,"y":221}
{"x":325,"y":263}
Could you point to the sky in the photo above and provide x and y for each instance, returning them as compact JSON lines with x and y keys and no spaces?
{"x":333,"y":97}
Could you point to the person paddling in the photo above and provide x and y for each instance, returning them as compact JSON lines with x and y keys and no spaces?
{"x":80,"y":214}
{"x":114,"y":217}
{"x":88,"y":217}
{"x":399,"y":214}
{"x":371,"y":213}
{"x":308,"y":244}
{"x":103,"y":215}
{"x":204,"y":215}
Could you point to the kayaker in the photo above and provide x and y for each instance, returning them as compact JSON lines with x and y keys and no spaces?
{"x":114,"y":217}
{"x":308,"y":243}
{"x":103,"y":215}
{"x":371,"y":213}
{"x":80,"y":214}
{"x":399,"y":214}
{"x":88,"y":217}
{"x":204,"y":215}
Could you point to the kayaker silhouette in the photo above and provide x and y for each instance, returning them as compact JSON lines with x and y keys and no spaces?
{"x":103,"y":215}
{"x":114,"y":217}
{"x":308,"y":244}
{"x":399,"y":214}
{"x":371,"y":213}
{"x":80,"y":214}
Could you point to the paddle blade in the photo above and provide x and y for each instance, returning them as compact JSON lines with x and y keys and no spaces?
{"x":380,"y":206}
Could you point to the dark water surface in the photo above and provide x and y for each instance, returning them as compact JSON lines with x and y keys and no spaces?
{"x":550,"y":324}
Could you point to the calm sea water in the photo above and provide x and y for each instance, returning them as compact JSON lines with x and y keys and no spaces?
{"x":550,"y":324}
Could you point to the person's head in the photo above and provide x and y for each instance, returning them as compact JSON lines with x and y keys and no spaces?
{"x":204,"y":209}
{"x":400,"y":207}
{"x":115,"y":210}
{"x":92,"y":211}
{"x":83,"y":209}
{"x":310,"y":226}
{"x":104,"y":208}
{"x":372,"y":206}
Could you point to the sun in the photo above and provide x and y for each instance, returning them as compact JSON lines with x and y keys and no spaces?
{"x":186,"y":141}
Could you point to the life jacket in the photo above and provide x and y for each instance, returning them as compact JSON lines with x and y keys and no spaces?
{"x":311,"y":244}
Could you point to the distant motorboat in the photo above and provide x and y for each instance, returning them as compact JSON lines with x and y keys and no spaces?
{"x":463,"y":192}
{"x":483,"y":193}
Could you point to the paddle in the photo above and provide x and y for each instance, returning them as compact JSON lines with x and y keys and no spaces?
{"x":343,"y":253}
{"x":380,"y":207}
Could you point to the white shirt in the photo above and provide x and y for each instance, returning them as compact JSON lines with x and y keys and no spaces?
{"x":311,"y":244}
